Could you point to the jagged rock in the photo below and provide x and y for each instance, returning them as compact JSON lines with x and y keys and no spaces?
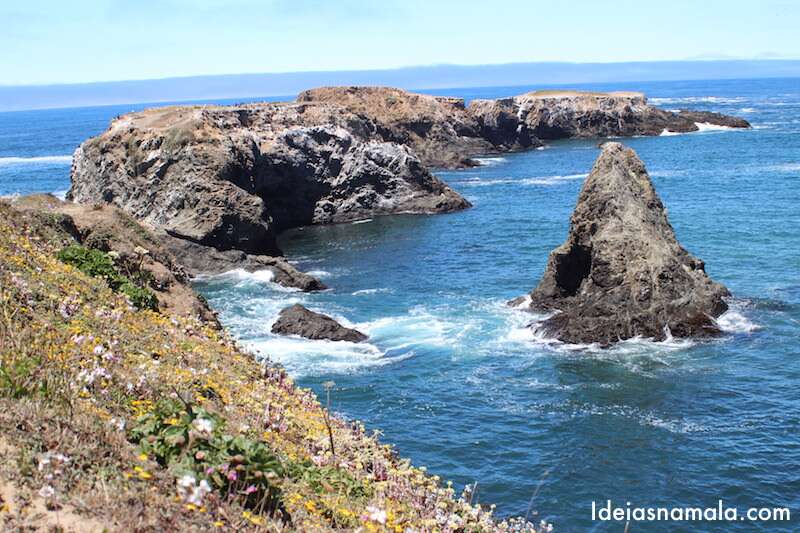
{"x":198,"y":259}
{"x":297,"y":320}
{"x":322,"y":175}
{"x":233,"y":177}
{"x":716,"y":119}
{"x":439,"y":129}
{"x":230,"y":178}
{"x":622,"y":273}
{"x":522,"y":120}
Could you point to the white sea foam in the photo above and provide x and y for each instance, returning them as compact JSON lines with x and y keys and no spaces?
{"x":667,"y":133}
{"x":240,"y":278}
{"x":734,"y":321}
{"x":364,"y":221}
{"x":309,"y":357}
{"x":490,"y":161}
{"x":319,"y":273}
{"x":524,"y":303}
{"x":39,"y":160}
{"x":747,"y":110}
{"x":705,"y":126}
{"x":418,"y":327}
{"x":787,"y":167}
{"x":240,"y":274}
{"x":552,"y":180}
{"x":698,"y":100}
{"x":61,"y":195}
{"x":391,"y":339}
{"x":540,"y":180}
{"x":363,"y":292}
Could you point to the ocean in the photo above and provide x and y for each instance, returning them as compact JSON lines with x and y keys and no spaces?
{"x":453,"y":378}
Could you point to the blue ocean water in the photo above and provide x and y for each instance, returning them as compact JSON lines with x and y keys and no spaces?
{"x":453,"y":378}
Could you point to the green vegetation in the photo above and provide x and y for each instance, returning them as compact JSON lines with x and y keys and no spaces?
{"x":123,"y":419}
{"x":99,"y":264}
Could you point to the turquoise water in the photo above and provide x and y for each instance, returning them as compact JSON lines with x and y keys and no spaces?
{"x":455,"y":381}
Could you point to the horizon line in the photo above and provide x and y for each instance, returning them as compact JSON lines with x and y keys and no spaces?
{"x":401,"y":68}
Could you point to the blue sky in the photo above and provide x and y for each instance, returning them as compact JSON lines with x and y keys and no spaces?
{"x":58,"y":41}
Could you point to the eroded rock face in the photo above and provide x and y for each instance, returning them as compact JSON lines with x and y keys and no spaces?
{"x":622,"y":273}
{"x":439,"y":129}
{"x":297,"y":320}
{"x":544,"y":115}
{"x":231,"y":178}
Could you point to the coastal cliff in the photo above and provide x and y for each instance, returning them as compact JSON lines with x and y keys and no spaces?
{"x":549,"y":115}
{"x":120,"y":417}
{"x":234,"y":177}
{"x":621,"y":272}
{"x":224,"y":181}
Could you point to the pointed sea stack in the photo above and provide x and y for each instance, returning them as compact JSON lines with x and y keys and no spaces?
{"x":622,"y":273}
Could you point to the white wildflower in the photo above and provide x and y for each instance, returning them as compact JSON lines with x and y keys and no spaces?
{"x":47,"y":491}
{"x":191,"y":491}
{"x":377,"y":515}
{"x":203,"y":425}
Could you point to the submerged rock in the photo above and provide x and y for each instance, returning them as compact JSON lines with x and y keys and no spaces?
{"x":622,"y":273}
{"x":297,"y":320}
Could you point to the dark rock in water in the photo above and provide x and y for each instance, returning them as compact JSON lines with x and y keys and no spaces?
{"x":198,"y":259}
{"x":521,"y":121}
{"x":297,"y":320}
{"x":716,"y":119}
{"x":622,"y":273}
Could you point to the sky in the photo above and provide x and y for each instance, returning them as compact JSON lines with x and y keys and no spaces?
{"x":77,"y":41}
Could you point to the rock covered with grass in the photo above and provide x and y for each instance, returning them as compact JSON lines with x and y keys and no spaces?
{"x":621,"y":272}
{"x":233,"y":177}
{"x":130,"y":419}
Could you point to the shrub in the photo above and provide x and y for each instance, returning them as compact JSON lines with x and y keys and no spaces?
{"x":100,"y":265}
{"x":192,"y":441}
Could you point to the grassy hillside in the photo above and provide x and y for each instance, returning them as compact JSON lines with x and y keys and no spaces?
{"x":130,"y":419}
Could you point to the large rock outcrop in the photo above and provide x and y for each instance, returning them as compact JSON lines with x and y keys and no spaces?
{"x":439,"y":129}
{"x":622,"y":273}
{"x":526,"y":119}
{"x":233,"y":177}
{"x":297,"y":320}
{"x":229,"y":179}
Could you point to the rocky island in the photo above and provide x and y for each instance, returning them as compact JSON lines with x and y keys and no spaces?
{"x":621,"y":272}
{"x":221,"y":182}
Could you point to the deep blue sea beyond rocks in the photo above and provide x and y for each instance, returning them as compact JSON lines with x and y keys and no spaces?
{"x":453,"y":378}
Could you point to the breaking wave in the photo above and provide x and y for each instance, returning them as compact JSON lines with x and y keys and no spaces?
{"x":39,"y":160}
{"x":543,"y":180}
{"x":698,"y":100}
{"x":490,"y":161}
